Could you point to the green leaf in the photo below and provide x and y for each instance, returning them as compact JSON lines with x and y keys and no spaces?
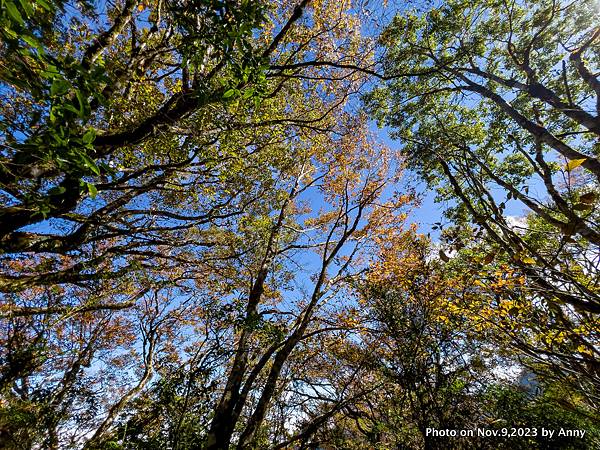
{"x":582,"y":206}
{"x":14,"y":13}
{"x":59,"y":86}
{"x":57,"y":190}
{"x":43,"y":211}
{"x":89,"y":136}
{"x":229,"y":93}
{"x":31,"y":41}
{"x":11,"y":33}
{"x":106,"y":168}
{"x":49,"y":72}
{"x":82,"y":103}
{"x":44,"y":5}
{"x":26,"y":7}
{"x":101,"y":98}
{"x":92,"y":190}
{"x":71,"y":108}
{"x":90,"y":164}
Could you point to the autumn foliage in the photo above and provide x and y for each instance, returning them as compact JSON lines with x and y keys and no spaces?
{"x":205,"y":242}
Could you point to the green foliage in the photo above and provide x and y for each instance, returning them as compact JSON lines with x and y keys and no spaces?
{"x":511,"y":406}
{"x":61,"y":88}
{"x":496,"y":107}
{"x":67,"y":96}
{"x":201,"y":248}
{"x":18,"y":423}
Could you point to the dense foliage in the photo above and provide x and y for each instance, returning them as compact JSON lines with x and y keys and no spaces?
{"x":498,"y":104}
{"x":204,"y":244}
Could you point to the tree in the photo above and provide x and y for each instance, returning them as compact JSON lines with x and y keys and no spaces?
{"x":426,"y":364}
{"x":144,"y":151}
{"x":293,"y":263}
{"x":513,"y":406}
{"x":432,"y":368}
{"x":89,"y":142}
{"x":202,"y":245}
{"x":497,"y":104}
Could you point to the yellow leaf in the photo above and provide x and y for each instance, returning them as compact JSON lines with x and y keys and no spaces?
{"x":574,"y":163}
{"x":528,"y":260}
{"x":583,"y":349}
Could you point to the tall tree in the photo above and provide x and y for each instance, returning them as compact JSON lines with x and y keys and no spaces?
{"x":497,"y":103}
{"x":281,"y":289}
{"x":431,"y":367}
{"x":109,"y":108}
{"x":144,"y":150}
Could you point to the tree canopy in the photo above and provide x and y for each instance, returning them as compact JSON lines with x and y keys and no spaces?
{"x":205,"y":242}
{"x":497,"y":103}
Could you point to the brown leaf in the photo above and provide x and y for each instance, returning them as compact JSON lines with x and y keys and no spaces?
{"x":443,"y":256}
{"x":582,"y":207}
{"x":489,"y":258}
{"x":588,"y":198}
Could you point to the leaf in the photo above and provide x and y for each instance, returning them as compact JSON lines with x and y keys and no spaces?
{"x":14,"y":13}
{"x":528,"y":260}
{"x":31,"y":41}
{"x":44,"y":5}
{"x":92,"y":190}
{"x":71,"y":108}
{"x":101,"y":98}
{"x":82,"y":103}
{"x":12,"y":34}
{"x":588,"y":198}
{"x":57,"y":190}
{"x":26,"y":7}
{"x":90,"y":164}
{"x":489,"y":258}
{"x":49,"y":72}
{"x":89,"y":136}
{"x":229,"y":93}
{"x":59,"y":86}
{"x":582,"y":206}
{"x":574,"y":163}
{"x":443,"y":256}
